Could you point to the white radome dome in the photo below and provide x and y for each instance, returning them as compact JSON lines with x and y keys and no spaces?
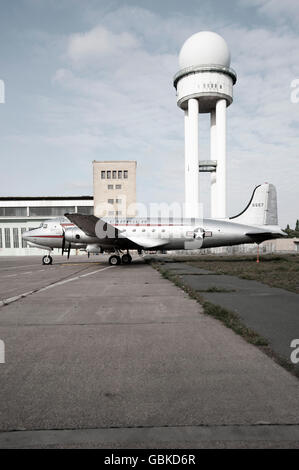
{"x":204,"y":48}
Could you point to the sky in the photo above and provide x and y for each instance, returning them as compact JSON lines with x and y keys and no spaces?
{"x":93,"y":80}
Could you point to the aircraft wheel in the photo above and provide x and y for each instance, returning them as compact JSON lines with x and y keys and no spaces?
{"x":47,"y":260}
{"x":114,"y":260}
{"x":126,"y":259}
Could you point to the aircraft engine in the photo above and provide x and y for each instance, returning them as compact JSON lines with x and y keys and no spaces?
{"x":76,"y":235}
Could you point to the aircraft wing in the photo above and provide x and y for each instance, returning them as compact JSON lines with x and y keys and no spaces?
{"x":148,"y":243}
{"x":93,"y":226}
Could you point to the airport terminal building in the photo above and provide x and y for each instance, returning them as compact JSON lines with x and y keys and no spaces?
{"x":114,"y":186}
{"x":19,"y":214}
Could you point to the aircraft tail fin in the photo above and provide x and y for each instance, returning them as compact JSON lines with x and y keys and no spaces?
{"x":261,"y":209}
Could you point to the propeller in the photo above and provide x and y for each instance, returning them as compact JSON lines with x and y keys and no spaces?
{"x":69,"y":250}
{"x":63,"y":246}
{"x":63,"y":242}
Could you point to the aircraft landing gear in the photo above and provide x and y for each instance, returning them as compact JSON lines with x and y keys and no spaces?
{"x":126,"y":259}
{"x":47,"y":260}
{"x":114,"y":260}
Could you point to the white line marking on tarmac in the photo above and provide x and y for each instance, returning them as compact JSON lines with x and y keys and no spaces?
{"x":59,"y":283}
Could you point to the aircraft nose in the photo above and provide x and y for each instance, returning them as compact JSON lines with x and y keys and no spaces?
{"x":25,"y":235}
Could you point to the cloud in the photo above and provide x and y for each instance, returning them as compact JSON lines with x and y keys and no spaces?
{"x":111,"y":97}
{"x":280,"y":11}
{"x":99,"y":43}
{"x":130,"y":103}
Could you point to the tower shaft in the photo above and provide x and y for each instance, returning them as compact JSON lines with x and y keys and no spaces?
{"x":220,"y":208}
{"x":191,"y":159}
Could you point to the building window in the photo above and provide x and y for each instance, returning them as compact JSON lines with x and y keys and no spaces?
{"x":110,"y":201}
{"x":108,"y":174}
{"x":111,"y":213}
{"x":125,"y":174}
{"x":118,"y":212}
{"x":49,"y":211}
{"x":120,"y":174}
{"x":15,"y":233}
{"x":86,"y":210}
{"x":13,"y":211}
{"x":7,"y":237}
{"x":110,"y":186}
{"x":118,"y":186}
{"x":103,"y":174}
{"x":1,"y":245}
{"x":114,"y":173}
{"x":118,"y":201}
{"x":24,"y":244}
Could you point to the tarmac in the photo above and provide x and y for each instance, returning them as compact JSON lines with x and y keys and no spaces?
{"x":273,"y":313}
{"x":118,"y":357}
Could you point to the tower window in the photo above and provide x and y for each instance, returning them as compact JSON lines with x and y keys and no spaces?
{"x":110,"y":201}
{"x":110,"y":186}
{"x":118,"y":186}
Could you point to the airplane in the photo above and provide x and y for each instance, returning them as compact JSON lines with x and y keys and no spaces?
{"x":50,"y":235}
{"x":256,"y":223}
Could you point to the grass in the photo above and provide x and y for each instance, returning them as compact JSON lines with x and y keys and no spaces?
{"x":215,"y":289}
{"x":228,"y":318}
{"x":274,"y":270}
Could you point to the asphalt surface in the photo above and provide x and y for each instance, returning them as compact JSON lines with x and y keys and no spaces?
{"x":271,"y":312}
{"x":100,"y":356}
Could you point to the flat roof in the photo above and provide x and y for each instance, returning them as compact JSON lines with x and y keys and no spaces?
{"x":47,"y":198}
{"x":114,"y":161}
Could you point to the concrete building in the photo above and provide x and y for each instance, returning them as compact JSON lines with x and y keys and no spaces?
{"x":19,"y":214}
{"x":114,"y":188}
{"x":204,"y":84}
